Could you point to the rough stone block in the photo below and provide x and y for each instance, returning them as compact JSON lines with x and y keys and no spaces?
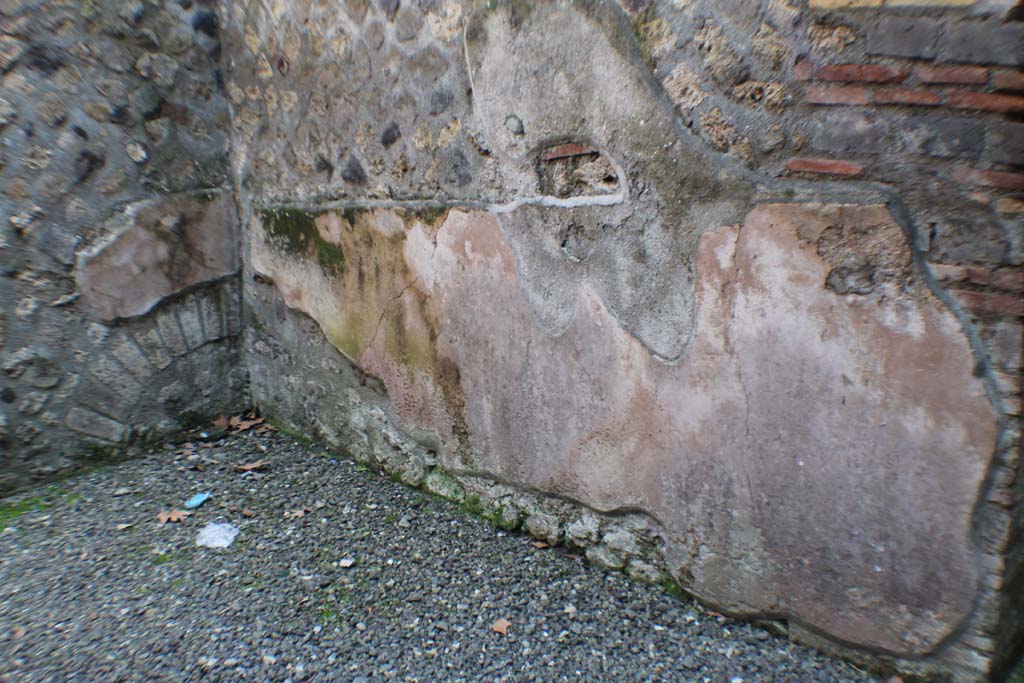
{"x":191,"y":322}
{"x":897,"y":36}
{"x":583,"y":531}
{"x":622,"y":542}
{"x":131,"y":356}
{"x":440,"y":484}
{"x":603,"y":556}
{"x":644,"y":571}
{"x":116,"y":378}
{"x":545,"y":527}
{"x":95,"y":425}
{"x":170,"y":332}
{"x":231,"y":309}
{"x":152,"y":345}
{"x":943,"y":138}
{"x":210,"y":311}
{"x":849,"y":132}
{"x":1005,"y":144}
{"x":983,"y":42}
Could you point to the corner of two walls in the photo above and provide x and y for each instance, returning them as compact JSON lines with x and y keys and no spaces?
{"x":119,"y":294}
{"x":727,"y":294}
{"x":650,"y":303}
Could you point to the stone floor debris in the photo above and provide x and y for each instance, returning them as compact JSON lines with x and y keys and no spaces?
{"x":336,"y":574}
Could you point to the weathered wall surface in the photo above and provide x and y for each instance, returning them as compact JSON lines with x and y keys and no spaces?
{"x":119,"y":296}
{"x":726,"y":293}
{"x":613,"y":274}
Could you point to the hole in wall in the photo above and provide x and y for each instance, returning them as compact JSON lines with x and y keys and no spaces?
{"x":575,"y":169}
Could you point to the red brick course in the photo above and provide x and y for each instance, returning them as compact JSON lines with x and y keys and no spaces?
{"x":864,"y":73}
{"x":827,"y":166}
{"x":968,"y":99}
{"x":837,"y":95}
{"x":1004,"y":180}
{"x":920,"y":98}
{"x":984,"y":302}
{"x":965,"y":75}
{"x":1009,"y":79}
{"x":948,"y":273}
{"x":569,"y":149}
{"x":1009,"y":280}
{"x":803,"y":70}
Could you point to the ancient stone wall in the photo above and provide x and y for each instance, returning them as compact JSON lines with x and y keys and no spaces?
{"x":725,"y":293}
{"x":119,"y":293}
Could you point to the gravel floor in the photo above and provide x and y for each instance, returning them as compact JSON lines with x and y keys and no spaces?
{"x":338,"y":575}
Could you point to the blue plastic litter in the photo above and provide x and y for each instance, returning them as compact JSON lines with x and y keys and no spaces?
{"x":196,"y":500}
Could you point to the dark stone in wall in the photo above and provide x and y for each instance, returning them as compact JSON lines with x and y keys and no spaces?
{"x":904,"y":37}
{"x":943,"y":138}
{"x":353,"y":172}
{"x":985,"y":42}
{"x":1005,"y":143}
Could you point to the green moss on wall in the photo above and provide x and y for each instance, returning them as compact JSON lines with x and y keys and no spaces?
{"x":432,"y":215}
{"x":294,"y":230}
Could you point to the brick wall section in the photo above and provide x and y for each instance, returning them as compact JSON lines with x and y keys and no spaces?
{"x":948,"y":86}
{"x":923,"y":96}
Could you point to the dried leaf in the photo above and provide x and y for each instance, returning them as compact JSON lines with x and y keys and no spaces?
{"x":172,"y":516}
{"x":539,"y":545}
{"x":258,"y":466}
{"x":297,"y":513}
{"x":234,"y":421}
{"x":221,"y":422}
{"x":501,"y":626}
{"x":246,"y":512}
{"x":243,"y":425}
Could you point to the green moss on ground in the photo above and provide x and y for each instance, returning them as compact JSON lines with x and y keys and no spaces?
{"x":13,"y":510}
